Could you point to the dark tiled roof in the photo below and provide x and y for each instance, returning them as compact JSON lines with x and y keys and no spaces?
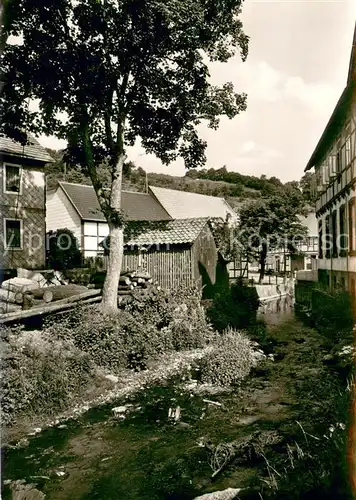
{"x":34,"y":150}
{"x":137,"y":206}
{"x":173,"y":232}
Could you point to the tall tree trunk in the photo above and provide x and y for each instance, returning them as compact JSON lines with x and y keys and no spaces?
{"x":109,"y":300}
{"x":116,"y":236}
{"x":263,"y":255}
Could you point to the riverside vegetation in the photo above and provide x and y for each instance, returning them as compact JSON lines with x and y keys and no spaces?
{"x":268,"y":418}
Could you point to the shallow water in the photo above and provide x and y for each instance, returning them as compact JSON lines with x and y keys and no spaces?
{"x":277,"y":311}
{"x":148,"y":456}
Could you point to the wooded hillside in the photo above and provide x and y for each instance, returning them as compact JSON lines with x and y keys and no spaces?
{"x":233,"y":186}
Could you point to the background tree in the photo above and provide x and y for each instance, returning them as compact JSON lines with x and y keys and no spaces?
{"x":270,"y":223}
{"x":63,"y":250}
{"x":105,"y":73}
{"x":307,"y":187}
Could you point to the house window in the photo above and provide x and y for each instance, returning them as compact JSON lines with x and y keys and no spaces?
{"x":94,"y":233}
{"x":352,"y":225}
{"x":327,"y":237}
{"x":333,"y":166}
{"x":334,"y":232}
{"x":12,"y":179}
{"x":338,"y":157}
{"x":348,"y":151}
{"x":343,"y":236}
{"x":13,"y":233}
{"x":315,"y":244}
{"x":320,"y":239}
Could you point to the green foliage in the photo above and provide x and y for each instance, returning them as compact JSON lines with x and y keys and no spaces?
{"x":317,"y":464}
{"x":235,"y":307}
{"x":95,"y":263}
{"x":307,"y":187}
{"x":79,"y":276}
{"x":140,"y":70}
{"x":41,"y":373}
{"x":63,"y":250}
{"x":332,"y":313}
{"x":271,"y":223}
{"x":148,"y":326}
{"x":224,"y":231}
{"x":230,"y":361}
{"x":110,"y":340}
{"x":45,"y":371}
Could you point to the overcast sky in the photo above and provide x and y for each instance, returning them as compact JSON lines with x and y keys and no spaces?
{"x":296,"y":70}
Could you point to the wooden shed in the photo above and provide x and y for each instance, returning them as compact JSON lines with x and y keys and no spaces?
{"x":176,"y":252}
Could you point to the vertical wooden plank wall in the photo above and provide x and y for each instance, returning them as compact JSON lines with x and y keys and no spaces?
{"x":170,"y":268}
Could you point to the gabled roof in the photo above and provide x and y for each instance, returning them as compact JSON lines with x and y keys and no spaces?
{"x":339,"y":114}
{"x":185,"y":205}
{"x":137,"y":206}
{"x":173,"y":232}
{"x":33,"y":150}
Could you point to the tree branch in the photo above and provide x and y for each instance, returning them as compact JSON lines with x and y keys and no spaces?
{"x":89,"y":165}
{"x":120,"y":92}
{"x":107,"y":122}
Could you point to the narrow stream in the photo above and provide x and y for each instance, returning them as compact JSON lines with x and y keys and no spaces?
{"x":277,"y":311}
{"x":138,"y":452}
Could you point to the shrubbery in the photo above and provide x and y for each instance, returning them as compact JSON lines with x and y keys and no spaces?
{"x":149,"y":325}
{"x":332,"y":314}
{"x":45,"y":370}
{"x":41,"y":373}
{"x":230,"y":361}
{"x":235,"y":307}
{"x":63,"y":250}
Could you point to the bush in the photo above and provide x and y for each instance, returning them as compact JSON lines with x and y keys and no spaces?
{"x":150,"y":325}
{"x":332,"y":314}
{"x":79,"y":276}
{"x":41,"y":373}
{"x":230,"y":361}
{"x":235,"y":307}
{"x":63,"y":250}
{"x":44,"y":371}
{"x":178,"y":312}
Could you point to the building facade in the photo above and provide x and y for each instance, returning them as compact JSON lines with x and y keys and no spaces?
{"x":76,"y":207}
{"x":180,"y":252}
{"x":281,"y":260}
{"x":22,"y":200}
{"x":334,"y":164}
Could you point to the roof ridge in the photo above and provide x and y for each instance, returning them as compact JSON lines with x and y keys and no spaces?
{"x":32,"y":150}
{"x":92,"y":187}
{"x":187,"y":192}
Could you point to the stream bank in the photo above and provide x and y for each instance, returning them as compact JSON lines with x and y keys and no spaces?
{"x":286,"y":407}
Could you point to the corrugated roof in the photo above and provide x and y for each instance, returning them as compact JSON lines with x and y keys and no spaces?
{"x":171,"y":232}
{"x":34,"y":150}
{"x":185,"y":205}
{"x":137,"y":206}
